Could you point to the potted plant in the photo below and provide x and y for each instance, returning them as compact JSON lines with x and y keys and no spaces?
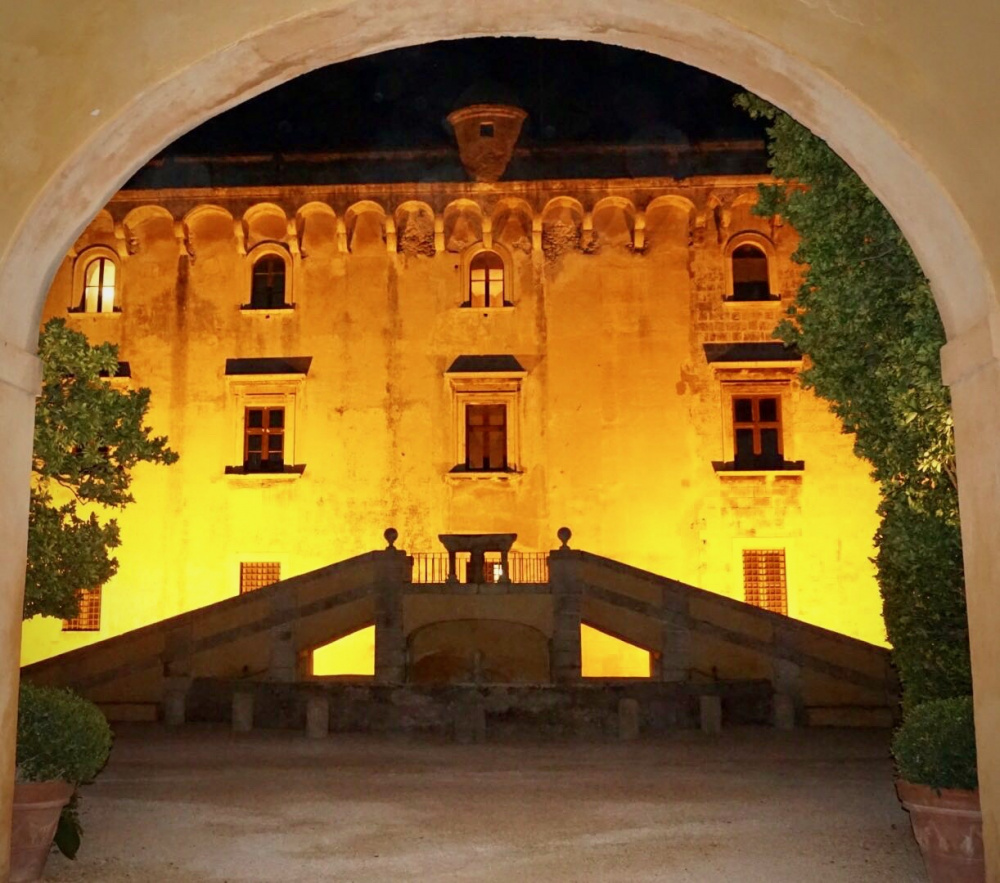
{"x":866,"y":318}
{"x":935,"y":751}
{"x":62,"y":740}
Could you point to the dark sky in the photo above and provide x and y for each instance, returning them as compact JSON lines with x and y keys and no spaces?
{"x":573,"y":91}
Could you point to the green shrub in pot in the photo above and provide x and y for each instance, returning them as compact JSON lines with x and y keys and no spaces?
{"x":936,"y":744}
{"x":60,"y":736}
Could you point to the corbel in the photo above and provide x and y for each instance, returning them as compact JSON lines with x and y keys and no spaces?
{"x":183,"y":236}
{"x":587,"y":233}
{"x":438,"y":233}
{"x":125,"y":243}
{"x":390,"y":235}
{"x":639,"y":234}
{"x":341,"y":236}
{"x":777,"y":225}
{"x":240,"y":232}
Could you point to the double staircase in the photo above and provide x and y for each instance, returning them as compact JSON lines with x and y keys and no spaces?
{"x":700,"y":643}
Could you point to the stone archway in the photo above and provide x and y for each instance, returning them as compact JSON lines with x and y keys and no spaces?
{"x":97,"y":94}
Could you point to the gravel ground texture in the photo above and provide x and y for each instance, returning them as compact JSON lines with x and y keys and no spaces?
{"x":199,"y":804}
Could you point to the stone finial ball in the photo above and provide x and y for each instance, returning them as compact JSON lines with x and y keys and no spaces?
{"x":391,"y":535}
{"x":564,"y":533}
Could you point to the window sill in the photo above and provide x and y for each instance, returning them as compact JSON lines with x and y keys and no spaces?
{"x":461,"y":474}
{"x":792,"y":469}
{"x":468,"y":308}
{"x":94,"y":314}
{"x":290,"y":473}
{"x":267,"y":312}
{"x":773,"y":301}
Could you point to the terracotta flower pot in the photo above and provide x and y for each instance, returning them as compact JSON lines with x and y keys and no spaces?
{"x":948,"y":826}
{"x":37,"y":806}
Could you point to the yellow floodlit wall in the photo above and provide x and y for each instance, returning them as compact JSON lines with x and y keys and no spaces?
{"x":617,"y":423}
{"x":354,"y":654}
{"x":604,"y":656}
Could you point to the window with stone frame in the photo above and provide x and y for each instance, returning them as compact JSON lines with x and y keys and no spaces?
{"x":758,"y":395}
{"x":267,"y":287}
{"x":257,"y":574}
{"x":757,"y":436}
{"x":264,"y":439}
{"x":764,"y":583}
{"x":262,"y":396}
{"x":486,"y":281}
{"x":88,"y":619}
{"x":486,"y":397}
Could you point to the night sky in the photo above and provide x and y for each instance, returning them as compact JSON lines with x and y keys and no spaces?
{"x":573,"y":92}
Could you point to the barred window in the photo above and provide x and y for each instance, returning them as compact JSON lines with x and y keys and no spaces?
{"x":764,"y":579}
{"x":257,"y":574}
{"x":89,"y":617}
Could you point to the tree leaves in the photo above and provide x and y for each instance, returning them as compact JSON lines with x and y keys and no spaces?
{"x":866,"y":319}
{"x":88,"y":437}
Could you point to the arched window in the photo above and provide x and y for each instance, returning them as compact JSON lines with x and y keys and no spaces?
{"x":486,"y":282}
{"x":751,"y":279}
{"x":267,"y":291}
{"x":99,"y":286}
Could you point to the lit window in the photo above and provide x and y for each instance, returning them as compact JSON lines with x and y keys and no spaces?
{"x":751,"y":280}
{"x":486,"y":281}
{"x":89,"y":617}
{"x":264,"y":440}
{"x":764,"y":579}
{"x":99,"y":286}
{"x":757,"y":432}
{"x":267,"y":290}
{"x":257,"y":574}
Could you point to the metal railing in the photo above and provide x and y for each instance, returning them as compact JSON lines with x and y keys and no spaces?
{"x":524,"y":567}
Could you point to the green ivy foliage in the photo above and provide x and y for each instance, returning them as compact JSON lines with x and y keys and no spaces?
{"x":60,"y":735}
{"x":936,"y":745}
{"x":866,"y":320}
{"x":89,"y":435}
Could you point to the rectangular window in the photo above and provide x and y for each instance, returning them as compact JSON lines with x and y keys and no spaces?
{"x":257,"y":574}
{"x":89,"y":617}
{"x":764,"y":579}
{"x":486,"y":438}
{"x":264,"y":440}
{"x":757,"y":432}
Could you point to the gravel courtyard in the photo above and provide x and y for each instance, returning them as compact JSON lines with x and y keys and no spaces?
{"x":752,"y":805}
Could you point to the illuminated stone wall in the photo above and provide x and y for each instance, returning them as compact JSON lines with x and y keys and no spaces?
{"x":616,"y":288}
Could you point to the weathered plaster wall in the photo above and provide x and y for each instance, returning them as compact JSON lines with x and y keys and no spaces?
{"x":620,"y":417}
